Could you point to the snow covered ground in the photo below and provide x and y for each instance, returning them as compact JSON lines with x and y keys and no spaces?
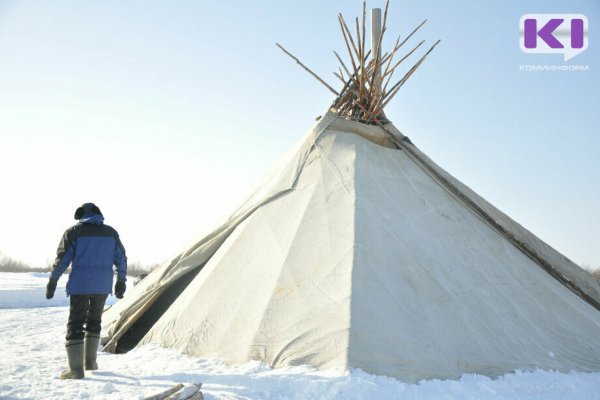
{"x":32,"y":331}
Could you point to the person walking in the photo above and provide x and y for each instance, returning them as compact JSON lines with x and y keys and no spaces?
{"x":92,"y":248}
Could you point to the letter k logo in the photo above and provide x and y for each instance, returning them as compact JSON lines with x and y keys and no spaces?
{"x":565,"y":34}
{"x":531,"y":33}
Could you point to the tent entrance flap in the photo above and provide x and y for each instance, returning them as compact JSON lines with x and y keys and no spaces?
{"x":138,"y":330}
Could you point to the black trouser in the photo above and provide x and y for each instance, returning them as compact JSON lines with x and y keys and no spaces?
{"x":85,"y":309}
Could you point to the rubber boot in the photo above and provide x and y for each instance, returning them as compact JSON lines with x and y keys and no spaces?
{"x":75,"y":356}
{"x":91,"y":349}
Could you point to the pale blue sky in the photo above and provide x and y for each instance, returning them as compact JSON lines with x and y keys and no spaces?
{"x":167,"y":113}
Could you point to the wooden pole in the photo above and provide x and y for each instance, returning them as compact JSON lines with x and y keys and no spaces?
{"x":166,"y":393}
{"x":401,"y":82}
{"x":308,"y":70}
{"x":365,"y":93}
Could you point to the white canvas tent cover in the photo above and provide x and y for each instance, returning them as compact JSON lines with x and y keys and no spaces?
{"x":356,"y":254}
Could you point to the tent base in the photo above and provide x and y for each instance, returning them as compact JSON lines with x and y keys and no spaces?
{"x":138,"y":330}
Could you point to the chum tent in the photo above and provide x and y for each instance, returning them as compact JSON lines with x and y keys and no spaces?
{"x":358,"y":251}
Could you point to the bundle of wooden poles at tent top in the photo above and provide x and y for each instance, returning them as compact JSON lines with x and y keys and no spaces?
{"x":366,"y":78}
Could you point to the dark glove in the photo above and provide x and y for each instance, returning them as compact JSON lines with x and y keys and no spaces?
{"x":50,"y":288}
{"x":120,"y":288}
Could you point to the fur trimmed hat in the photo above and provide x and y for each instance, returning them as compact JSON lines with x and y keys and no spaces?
{"x":87,"y":208}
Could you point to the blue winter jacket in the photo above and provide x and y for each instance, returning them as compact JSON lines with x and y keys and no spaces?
{"x":92,"y":249}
